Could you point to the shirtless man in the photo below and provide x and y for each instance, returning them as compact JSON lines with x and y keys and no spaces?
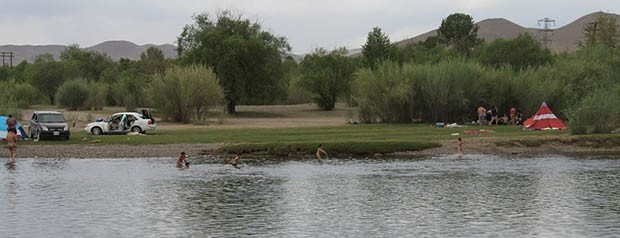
{"x":11,"y":139}
{"x":482,"y":113}
{"x":459,"y":144}
{"x":235,"y":161}
{"x":319,"y":151}
{"x":182,"y":161}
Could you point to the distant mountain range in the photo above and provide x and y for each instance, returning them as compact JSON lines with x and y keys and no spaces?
{"x":565,"y":38}
{"x":114,"y":49}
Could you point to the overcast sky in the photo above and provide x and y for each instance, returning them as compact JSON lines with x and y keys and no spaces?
{"x":307,"y":24}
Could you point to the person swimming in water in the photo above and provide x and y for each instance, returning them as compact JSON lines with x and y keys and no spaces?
{"x":235,"y":161}
{"x":319,"y":151}
{"x":182,"y":161}
{"x":459,"y":144}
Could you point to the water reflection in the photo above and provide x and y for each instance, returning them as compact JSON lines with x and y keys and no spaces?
{"x":433,"y":197}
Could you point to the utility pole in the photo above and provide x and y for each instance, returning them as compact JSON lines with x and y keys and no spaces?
{"x":9,"y":55}
{"x":546,"y":32}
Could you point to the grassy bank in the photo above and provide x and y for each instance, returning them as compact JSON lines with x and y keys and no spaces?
{"x":345,"y":139}
{"x":590,"y":141}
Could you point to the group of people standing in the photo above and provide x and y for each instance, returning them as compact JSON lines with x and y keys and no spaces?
{"x":492,"y":116}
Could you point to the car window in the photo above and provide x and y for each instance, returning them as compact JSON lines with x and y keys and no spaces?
{"x":51,"y":118}
{"x":34,"y":117}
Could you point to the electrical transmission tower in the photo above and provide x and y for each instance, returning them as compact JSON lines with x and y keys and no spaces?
{"x":546,"y":32}
{"x":5,"y":55}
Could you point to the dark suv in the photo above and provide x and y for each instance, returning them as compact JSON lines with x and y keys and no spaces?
{"x":48,"y":124}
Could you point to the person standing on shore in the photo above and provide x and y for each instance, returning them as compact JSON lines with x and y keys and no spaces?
{"x":319,"y":151}
{"x":11,"y":139}
{"x":459,"y":144}
{"x":513,"y":115}
{"x":482,"y":115}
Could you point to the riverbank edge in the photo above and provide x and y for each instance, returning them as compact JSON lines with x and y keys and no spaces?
{"x":486,"y":146}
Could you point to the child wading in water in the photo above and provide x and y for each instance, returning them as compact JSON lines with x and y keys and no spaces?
{"x":235,"y":161}
{"x":182,"y":161}
{"x":319,"y":151}
{"x":459,"y":145}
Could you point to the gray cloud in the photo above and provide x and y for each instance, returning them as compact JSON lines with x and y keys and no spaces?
{"x":306,"y":24}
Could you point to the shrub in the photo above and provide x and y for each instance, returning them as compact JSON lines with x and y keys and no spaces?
{"x":599,"y":112}
{"x":185,"y":94}
{"x":384,"y":94}
{"x":97,"y":96}
{"x":129,"y":92}
{"x":18,"y":95}
{"x":73,"y":94}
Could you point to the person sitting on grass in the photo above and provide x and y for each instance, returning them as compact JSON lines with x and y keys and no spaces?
{"x":503,"y":119}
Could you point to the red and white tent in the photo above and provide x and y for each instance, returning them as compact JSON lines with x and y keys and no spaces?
{"x":544,"y":119}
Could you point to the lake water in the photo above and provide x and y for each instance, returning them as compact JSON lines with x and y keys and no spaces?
{"x":478,"y":196}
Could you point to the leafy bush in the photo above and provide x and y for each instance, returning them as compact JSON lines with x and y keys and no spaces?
{"x":18,"y":95}
{"x":129,"y":92}
{"x":73,"y":94}
{"x":97,"y":96}
{"x":327,"y":75}
{"x":599,"y":112}
{"x":185,"y":94}
{"x":384,"y":94}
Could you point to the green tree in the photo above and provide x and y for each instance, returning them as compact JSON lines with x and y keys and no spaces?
{"x":459,"y":32}
{"x":18,"y":94}
{"x":129,"y":92}
{"x":520,"y":53}
{"x":46,"y":75}
{"x":327,"y":76}
{"x":426,"y":51}
{"x":183,"y":94}
{"x":378,"y":48}
{"x":246,"y":59}
{"x":88,"y":64}
{"x":603,"y":31}
{"x":384,"y":94}
{"x":152,"y":61}
{"x":73,"y":94}
{"x":97,"y":96}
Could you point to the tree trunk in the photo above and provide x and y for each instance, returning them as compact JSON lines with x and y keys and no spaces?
{"x":231,"y":107}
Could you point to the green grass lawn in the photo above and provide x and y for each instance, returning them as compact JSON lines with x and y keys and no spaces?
{"x":356,"y":139}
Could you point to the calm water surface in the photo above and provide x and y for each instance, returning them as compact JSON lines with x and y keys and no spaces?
{"x":478,"y":196}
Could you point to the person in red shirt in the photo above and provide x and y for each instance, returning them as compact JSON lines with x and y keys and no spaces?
{"x":11,"y":123}
{"x":513,"y":114}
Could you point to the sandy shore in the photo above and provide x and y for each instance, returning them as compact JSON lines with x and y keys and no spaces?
{"x":476,"y":146}
{"x":112,"y":151}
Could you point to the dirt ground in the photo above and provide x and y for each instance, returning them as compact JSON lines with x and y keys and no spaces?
{"x":276,"y":116}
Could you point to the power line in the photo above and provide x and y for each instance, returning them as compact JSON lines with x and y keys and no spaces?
{"x":546,"y":31}
{"x":9,"y":55}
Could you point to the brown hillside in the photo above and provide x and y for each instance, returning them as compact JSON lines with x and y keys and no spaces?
{"x":565,"y":38}
{"x":568,"y":37}
{"x":114,"y":49}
